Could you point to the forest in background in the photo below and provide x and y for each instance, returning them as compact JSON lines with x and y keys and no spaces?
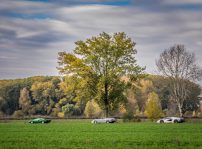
{"x":66,"y":97}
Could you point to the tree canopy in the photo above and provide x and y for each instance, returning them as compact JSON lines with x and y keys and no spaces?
{"x":103,"y":60}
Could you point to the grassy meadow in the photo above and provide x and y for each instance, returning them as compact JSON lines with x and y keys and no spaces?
{"x":81,"y":134}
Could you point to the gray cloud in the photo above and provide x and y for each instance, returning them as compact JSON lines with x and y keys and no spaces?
{"x":180,"y":2}
{"x":29,"y":46}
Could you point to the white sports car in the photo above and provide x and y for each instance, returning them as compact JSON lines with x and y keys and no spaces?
{"x":104,"y":120}
{"x":171,"y":120}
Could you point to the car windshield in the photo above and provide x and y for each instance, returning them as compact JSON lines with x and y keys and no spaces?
{"x":168,"y":118}
{"x":39,"y":119}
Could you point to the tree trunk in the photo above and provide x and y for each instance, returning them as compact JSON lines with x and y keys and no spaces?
{"x":106,"y":100}
{"x":180,"y":110}
{"x":179,"y":93}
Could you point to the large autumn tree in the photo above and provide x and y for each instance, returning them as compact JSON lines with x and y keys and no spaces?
{"x":103,"y":60}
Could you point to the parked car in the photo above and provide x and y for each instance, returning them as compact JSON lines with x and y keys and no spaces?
{"x":171,"y":120}
{"x":40,"y":120}
{"x":104,"y":120}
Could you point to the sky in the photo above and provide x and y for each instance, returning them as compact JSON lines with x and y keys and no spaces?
{"x":32,"y":32}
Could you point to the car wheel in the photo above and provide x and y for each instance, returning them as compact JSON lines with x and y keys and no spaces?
{"x":161,"y":121}
{"x":42,"y":122}
{"x":31,"y":122}
{"x":95,"y":122}
{"x":175,"y":121}
{"x":107,"y":121}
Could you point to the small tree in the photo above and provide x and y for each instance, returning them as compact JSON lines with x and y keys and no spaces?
{"x":153,"y":107}
{"x":25,"y":101}
{"x":92,"y":109}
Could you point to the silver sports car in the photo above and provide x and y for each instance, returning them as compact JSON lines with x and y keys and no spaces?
{"x":171,"y":120}
{"x":104,"y":120}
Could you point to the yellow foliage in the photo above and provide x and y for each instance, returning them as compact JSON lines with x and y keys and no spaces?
{"x":92,"y":109}
{"x":61,"y":114}
{"x":153,"y":107}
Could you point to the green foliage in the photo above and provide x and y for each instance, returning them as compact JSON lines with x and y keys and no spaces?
{"x":9,"y":95}
{"x":46,"y":94}
{"x":10,"y":92}
{"x":102,"y":60}
{"x":153,"y":107}
{"x":42,"y":90}
{"x":116,"y":95}
{"x":70,"y":110}
{"x":76,"y":89}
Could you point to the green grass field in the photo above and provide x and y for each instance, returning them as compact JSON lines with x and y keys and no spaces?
{"x":79,"y":134}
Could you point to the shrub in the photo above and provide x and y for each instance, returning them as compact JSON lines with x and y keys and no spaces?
{"x":61,"y":115}
{"x":129,"y":117}
{"x":18,"y":114}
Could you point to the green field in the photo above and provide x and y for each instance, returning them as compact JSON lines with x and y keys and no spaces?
{"x":79,"y":134}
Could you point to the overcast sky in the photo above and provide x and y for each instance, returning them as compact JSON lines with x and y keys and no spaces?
{"x":32,"y":32}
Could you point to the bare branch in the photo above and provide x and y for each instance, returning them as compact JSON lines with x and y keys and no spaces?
{"x":180,"y":66}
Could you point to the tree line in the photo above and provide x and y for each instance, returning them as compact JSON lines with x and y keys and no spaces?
{"x":68,"y":97}
{"x":101,"y":77}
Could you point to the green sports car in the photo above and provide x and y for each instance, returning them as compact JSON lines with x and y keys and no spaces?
{"x":40,"y":120}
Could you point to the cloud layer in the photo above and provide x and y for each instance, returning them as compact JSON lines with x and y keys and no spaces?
{"x":33,"y":32}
